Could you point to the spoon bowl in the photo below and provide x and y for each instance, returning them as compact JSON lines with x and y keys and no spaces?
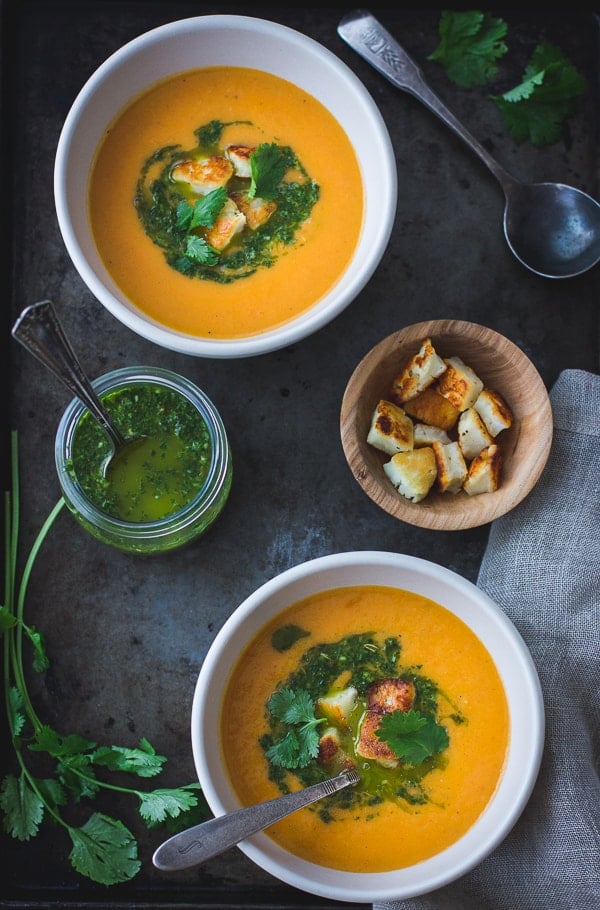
{"x":38,"y":329}
{"x":552,"y":229}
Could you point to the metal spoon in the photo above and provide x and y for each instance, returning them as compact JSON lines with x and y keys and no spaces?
{"x":39,"y":330}
{"x":197,"y":844}
{"x":552,"y":229}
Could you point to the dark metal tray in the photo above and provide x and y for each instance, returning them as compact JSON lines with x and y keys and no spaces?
{"x":126,"y":635}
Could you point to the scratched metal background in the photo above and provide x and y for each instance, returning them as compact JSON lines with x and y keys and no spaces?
{"x":126,"y":634}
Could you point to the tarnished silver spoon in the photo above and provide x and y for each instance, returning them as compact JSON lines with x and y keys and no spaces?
{"x":208,"y":839}
{"x":39,"y":330}
{"x":553,"y":229}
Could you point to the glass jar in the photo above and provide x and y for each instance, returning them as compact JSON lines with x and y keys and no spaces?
{"x":163,"y":533}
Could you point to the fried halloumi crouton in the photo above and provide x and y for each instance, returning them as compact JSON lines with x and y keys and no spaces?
{"x":383,"y":697}
{"x":331,"y":752}
{"x":472,"y":434}
{"x":412,"y":473}
{"x":425,"y":435}
{"x":419,"y":372}
{"x":484,"y":472}
{"x":338,"y":707}
{"x":391,"y":429}
{"x":239,"y":155}
{"x":203,"y":175}
{"x":459,"y":384}
{"x":494,"y":411}
{"x":386,"y":695}
{"x":451,"y":467}
{"x":257,"y":210}
{"x":432,"y":408}
{"x":229,"y":222}
{"x":370,"y":746}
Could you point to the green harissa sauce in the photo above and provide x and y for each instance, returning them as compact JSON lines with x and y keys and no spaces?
{"x":365,"y":660}
{"x":161,"y":207}
{"x":155,"y":477}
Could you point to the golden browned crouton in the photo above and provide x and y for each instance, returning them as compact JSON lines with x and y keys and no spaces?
{"x":451,"y":467}
{"x":338,"y":707}
{"x":257,"y":210}
{"x":412,"y":473}
{"x":484,"y":472}
{"x":425,"y":435}
{"x":239,"y":155}
{"x":331,"y":753}
{"x":459,"y":384}
{"x":494,"y":411}
{"x":370,"y":746}
{"x":391,"y":429}
{"x":229,"y":222}
{"x":203,"y":175}
{"x":472,"y":434}
{"x":383,"y":697}
{"x":418,"y":373}
{"x":432,"y":408}
{"x":386,"y":695}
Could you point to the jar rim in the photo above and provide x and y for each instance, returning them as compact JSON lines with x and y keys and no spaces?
{"x":213,"y":482}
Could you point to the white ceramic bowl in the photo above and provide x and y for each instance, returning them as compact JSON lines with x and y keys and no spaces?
{"x":215,"y":40}
{"x":485,"y":619}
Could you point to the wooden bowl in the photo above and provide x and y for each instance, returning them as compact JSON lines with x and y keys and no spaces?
{"x":503,"y":367}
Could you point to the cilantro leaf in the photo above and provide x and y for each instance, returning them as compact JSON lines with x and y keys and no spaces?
{"x":157,"y":805}
{"x":470,"y":44}
{"x":537,"y":108}
{"x":199,"y":250}
{"x":22,"y":807}
{"x":268,"y":165}
{"x":292,"y":706}
{"x":104,"y":850}
{"x":15,"y":706}
{"x":413,"y":736}
{"x":296,"y":708}
{"x":48,"y":740}
{"x":285,"y":636}
{"x":208,"y":207}
{"x":143,"y":761}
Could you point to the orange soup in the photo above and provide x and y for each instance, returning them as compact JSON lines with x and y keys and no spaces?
{"x":257,"y":111}
{"x":328,"y":659}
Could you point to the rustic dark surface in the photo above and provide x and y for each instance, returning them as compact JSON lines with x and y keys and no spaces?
{"x":126,"y":635}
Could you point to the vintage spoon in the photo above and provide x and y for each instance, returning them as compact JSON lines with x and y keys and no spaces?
{"x":553,"y":229}
{"x":197,"y":844}
{"x":39,"y":330}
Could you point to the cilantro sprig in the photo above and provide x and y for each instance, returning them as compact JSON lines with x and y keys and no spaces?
{"x":413,"y":736}
{"x":537,"y":107}
{"x":103,"y":848}
{"x":268,"y":165}
{"x":296,"y":709}
{"x":471,"y":43}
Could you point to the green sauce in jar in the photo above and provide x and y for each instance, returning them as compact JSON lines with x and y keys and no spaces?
{"x":164,"y":491}
{"x":160,"y":473}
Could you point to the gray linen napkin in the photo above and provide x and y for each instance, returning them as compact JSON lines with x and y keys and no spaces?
{"x":542,"y":566}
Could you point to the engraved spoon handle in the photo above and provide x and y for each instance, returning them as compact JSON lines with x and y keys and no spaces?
{"x":197,"y":844}
{"x":38,"y":330}
{"x":364,"y":34}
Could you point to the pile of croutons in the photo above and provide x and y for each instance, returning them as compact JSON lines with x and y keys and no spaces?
{"x":440,"y":424}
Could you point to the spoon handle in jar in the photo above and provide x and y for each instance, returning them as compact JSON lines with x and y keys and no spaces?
{"x":39,"y":330}
{"x":365,"y":35}
{"x":197,"y":844}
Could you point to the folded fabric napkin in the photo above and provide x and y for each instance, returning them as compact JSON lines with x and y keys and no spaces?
{"x":542,"y":566}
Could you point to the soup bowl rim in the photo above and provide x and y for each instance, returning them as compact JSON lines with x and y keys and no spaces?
{"x":508,"y":650}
